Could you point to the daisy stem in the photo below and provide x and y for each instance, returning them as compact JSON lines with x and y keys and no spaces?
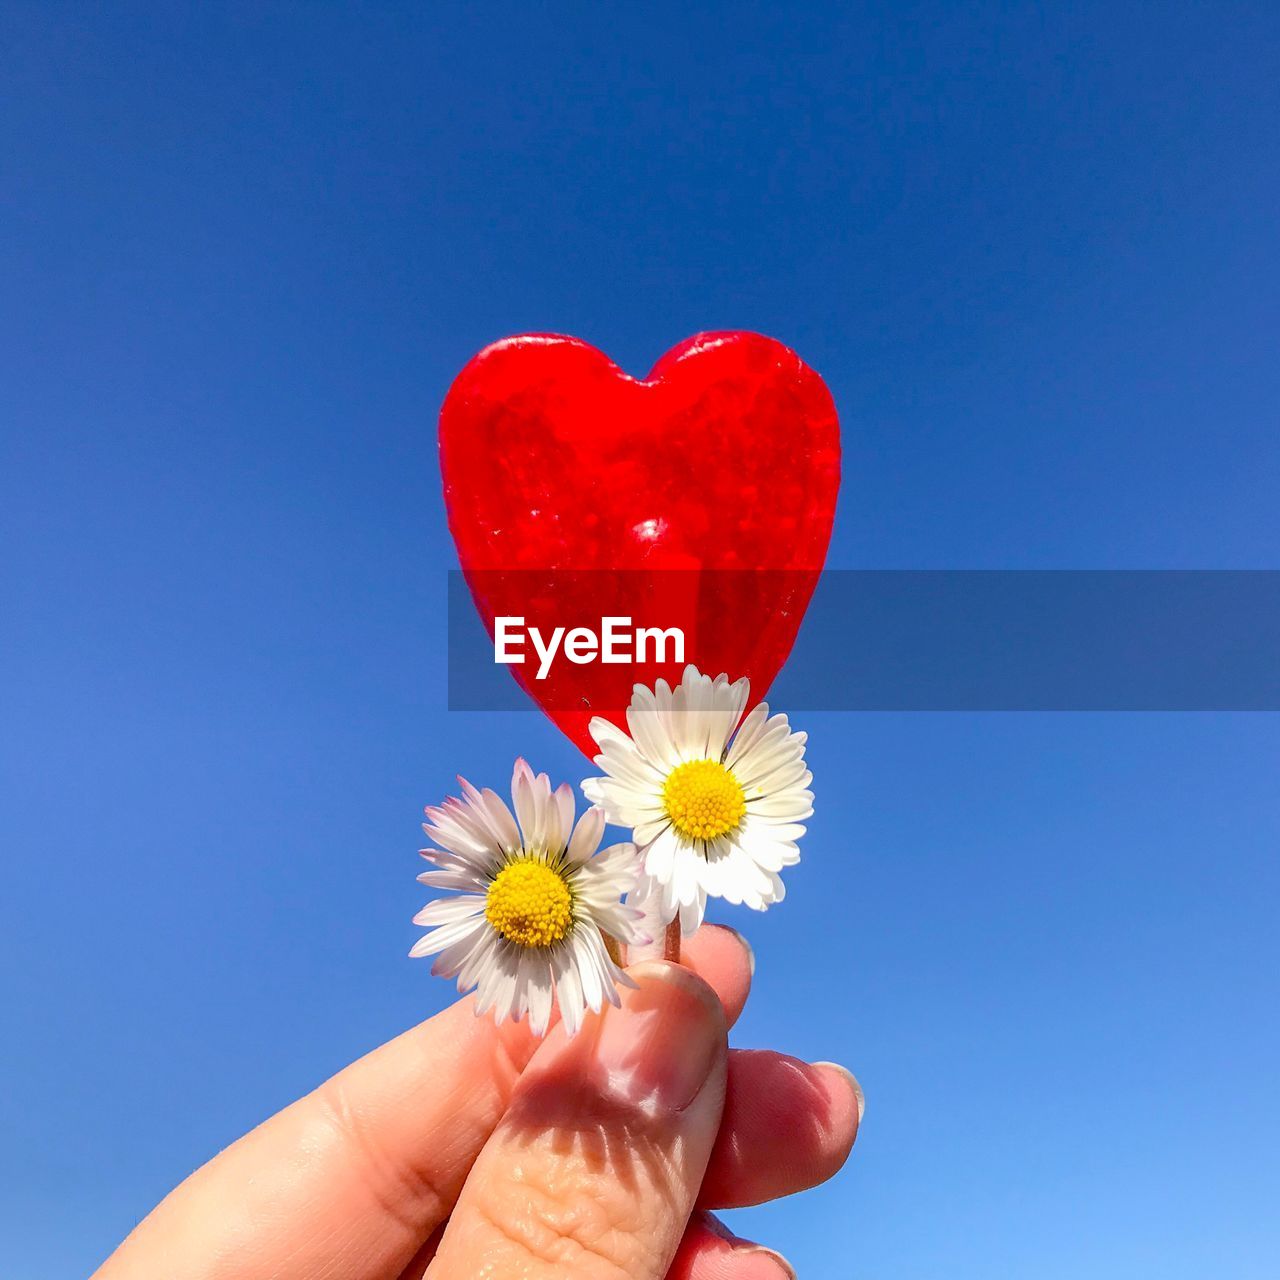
{"x":671,"y":942}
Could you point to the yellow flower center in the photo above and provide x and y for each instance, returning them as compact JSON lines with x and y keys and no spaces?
{"x":703,"y":799}
{"x":529,"y":904}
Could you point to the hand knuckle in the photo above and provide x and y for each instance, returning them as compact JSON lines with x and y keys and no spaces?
{"x":567,"y":1221}
{"x":405,"y":1191}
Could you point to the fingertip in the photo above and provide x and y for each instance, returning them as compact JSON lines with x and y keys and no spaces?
{"x":723,"y":957}
{"x":788,"y":1125}
{"x":710,"y":1251}
{"x":755,"y":1262}
{"x":664,"y":974}
{"x":851,"y":1083}
{"x":845,"y":1105}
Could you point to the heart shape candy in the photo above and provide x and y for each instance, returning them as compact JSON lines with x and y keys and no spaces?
{"x":700,"y":497}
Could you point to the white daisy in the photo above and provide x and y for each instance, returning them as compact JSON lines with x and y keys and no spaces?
{"x":715,"y":805}
{"x":535,"y":901}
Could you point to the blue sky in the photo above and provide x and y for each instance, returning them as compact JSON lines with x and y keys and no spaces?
{"x":245,"y":249}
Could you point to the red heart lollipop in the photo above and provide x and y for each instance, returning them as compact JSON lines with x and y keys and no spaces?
{"x":699,"y":498}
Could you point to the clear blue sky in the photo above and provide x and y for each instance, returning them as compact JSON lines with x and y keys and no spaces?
{"x":244,"y":249}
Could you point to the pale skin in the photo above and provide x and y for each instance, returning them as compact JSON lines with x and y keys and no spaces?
{"x":461,"y":1150}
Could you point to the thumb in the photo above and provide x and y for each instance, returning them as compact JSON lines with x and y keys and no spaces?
{"x":594,"y":1168}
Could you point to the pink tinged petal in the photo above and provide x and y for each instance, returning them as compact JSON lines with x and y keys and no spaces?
{"x":475,"y":846}
{"x":495,"y":820}
{"x":481,"y":867}
{"x":564,"y":811}
{"x":586,"y":835}
{"x":449,"y":909}
{"x":478,"y":864}
{"x":526,"y":806}
{"x":548,"y":814}
{"x":446,"y":936}
{"x":463,"y":880}
{"x":643,"y":895}
{"x":501,"y":820}
{"x":537,"y":835}
{"x":468,"y":819}
{"x":449,"y":835}
{"x":449,"y":861}
{"x":453,"y":943}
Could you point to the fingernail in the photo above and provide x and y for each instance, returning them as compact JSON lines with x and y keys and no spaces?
{"x":746,"y":946}
{"x":853,"y":1084}
{"x":783,"y":1265}
{"x":661,"y":1045}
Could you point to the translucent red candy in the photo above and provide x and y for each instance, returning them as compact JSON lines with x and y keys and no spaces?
{"x":701,"y":497}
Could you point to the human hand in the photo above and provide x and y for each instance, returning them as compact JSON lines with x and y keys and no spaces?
{"x":463,"y":1149}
